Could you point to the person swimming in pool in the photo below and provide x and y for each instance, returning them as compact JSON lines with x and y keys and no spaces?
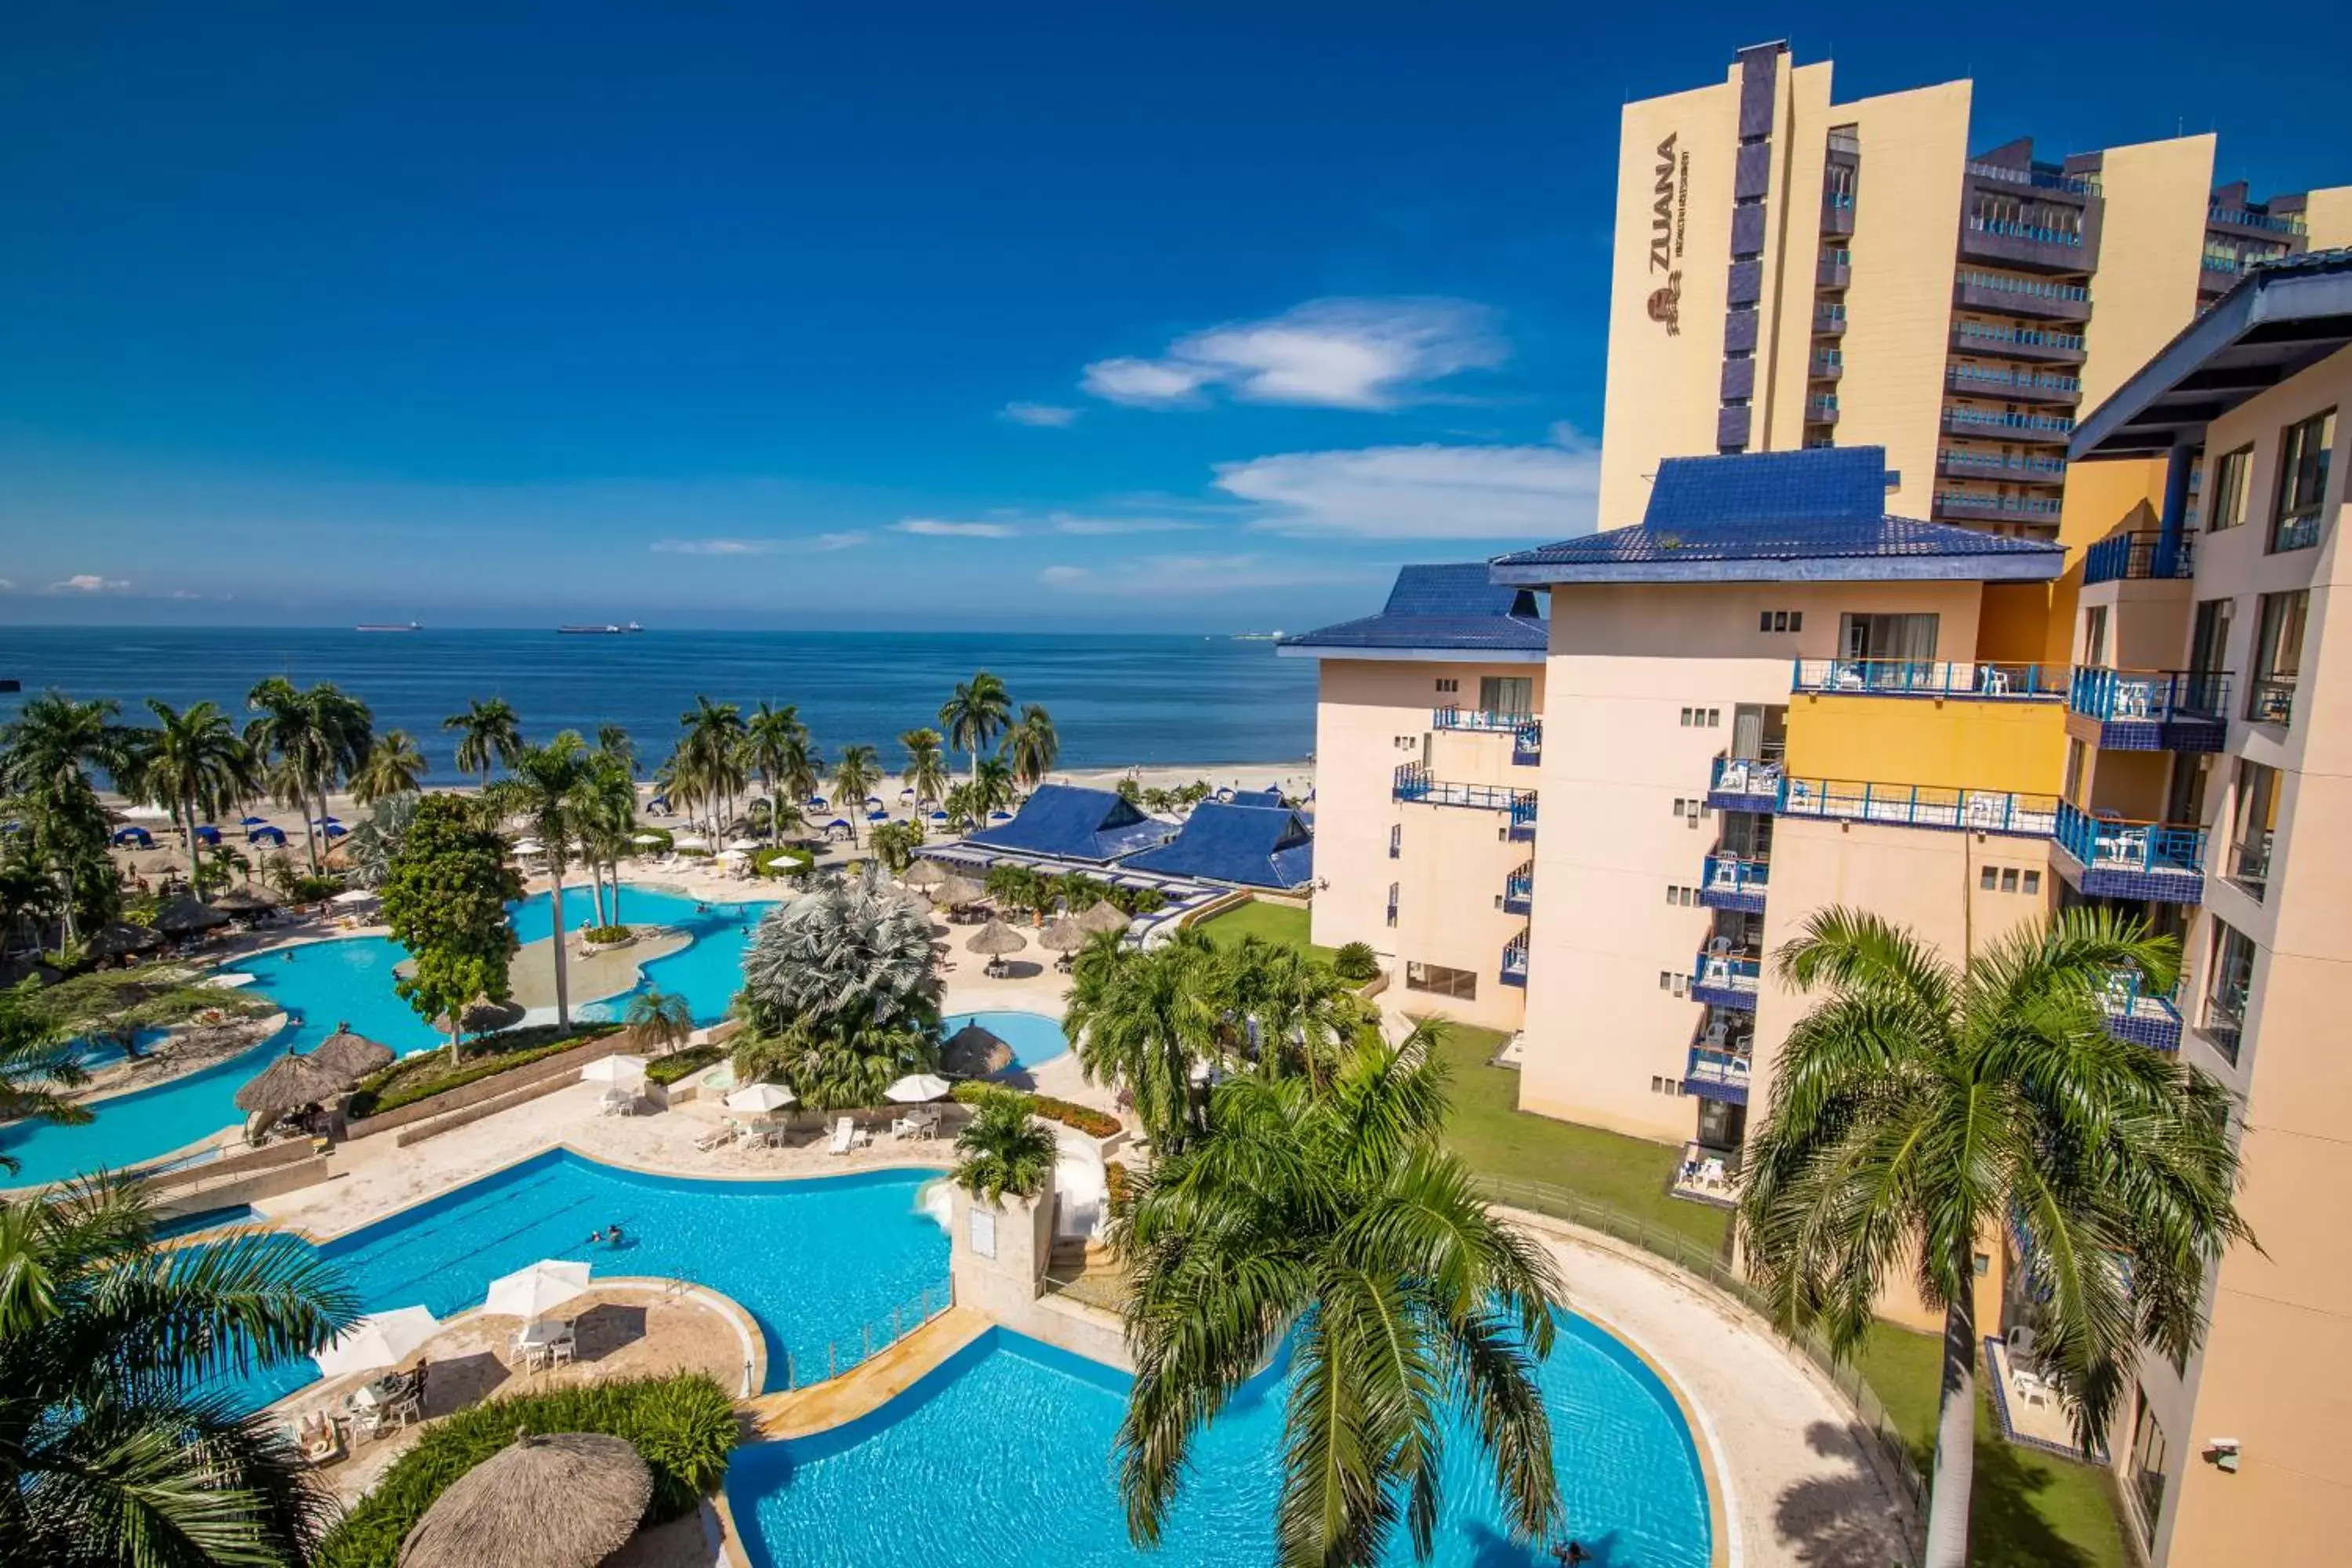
{"x":616,"y":1238}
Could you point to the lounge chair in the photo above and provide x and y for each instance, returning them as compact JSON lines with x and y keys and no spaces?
{"x":717,"y":1138}
{"x":315,"y":1438}
{"x":848,"y":1135}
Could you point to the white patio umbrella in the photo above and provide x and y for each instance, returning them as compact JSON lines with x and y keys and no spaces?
{"x":916,"y":1088}
{"x":623,"y":1069}
{"x":355,"y":896}
{"x":533,"y":1293}
{"x":745,"y":844}
{"x":378,"y":1340}
{"x":762,"y":1097}
{"x":528,"y":846}
{"x":688,"y":841}
{"x":644,"y":837}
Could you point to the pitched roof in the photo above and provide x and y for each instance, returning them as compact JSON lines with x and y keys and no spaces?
{"x":1448,"y":607}
{"x":1774,"y":516}
{"x":1268,"y":797}
{"x":1255,"y":845}
{"x":1075,"y":824}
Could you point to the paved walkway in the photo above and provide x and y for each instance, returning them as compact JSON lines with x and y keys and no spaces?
{"x":870,"y":1384}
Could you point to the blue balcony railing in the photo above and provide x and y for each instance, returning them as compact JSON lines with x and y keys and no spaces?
{"x":1519,"y":888}
{"x":1514,"y":961}
{"x":1726,"y":980}
{"x":2041,"y":233}
{"x":1992,"y":419}
{"x":1733,"y":882}
{"x":1999,"y":338}
{"x":2137,"y":1011}
{"x":2039,"y":179}
{"x":2002,"y":463}
{"x":1479,"y":719}
{"x":2123,"y":859}
{"x":1970,"y":377}
{"x":1413,"y":783}
{"x":2150,"y":696}
{"x":2045,"y":507}
{"x":1526,"y":742}
{"x":2121,"y":557}
{"x":1523,"y":814}
{"x":1724,"y":1071}
{"x":1920,"y":805}
{"x":1744,"y":783}
{"x":1994,"y":282}
{"x":1929,"y":678}
{"x":2276,"y":222}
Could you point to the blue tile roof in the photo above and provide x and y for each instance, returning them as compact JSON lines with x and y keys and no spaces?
{"x":1450,"y":607}
{"x":1253,"y":845}
{"x":1798,"y":512}
{"x":1076,"y":825}
{"x":1269,"y":796}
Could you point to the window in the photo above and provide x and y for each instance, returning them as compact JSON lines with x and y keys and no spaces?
{"x":1686,"y":718}
{"x":1988,"y":877}
{"x":1909,"y":637}
{"x":2149,"y":1454}
{"x":2033,"y":884}
{"x":2251,"y":825}
{"x":2094,"y":635}
{"x":1512,"y":694}
{"x":1715,"y":718}
{"x":1440,"y":981}
{"x":2228,"y":978}
{"x":2227,"y":506}
{"x":1679,"y":804}
{"x":2303,"y":452}
{"x":2209,"y":656}
{"x":1446,"y":685}
{"x":1673,"y":980}
{"x":1780,"y":621}
{"x":2078,"y":767}
{"x":2278,"y":656}
{"x":2008,"y":879}
{"x":1392,"y":903}
{"x":1396,"y":841}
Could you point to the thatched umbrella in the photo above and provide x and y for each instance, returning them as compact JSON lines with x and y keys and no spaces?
{"x":974,"y":1052}
{"x":188,"y":913}
{"x":996,"y":939}
{"x":957,"y":890}
{"x":244,"y":901}
{"x":927,"y":874}
{"x":116,"y":940}
{"x":569,"y":1501}
{"x":483,"y":1016}
{"x":1104,"y":916}
{"x":353,"y":1056}
{"x":1064,"y":934}
{"x":291,"y":1083}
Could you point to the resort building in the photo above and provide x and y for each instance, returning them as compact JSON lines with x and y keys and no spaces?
{"x":1792,"y":271}
{"x":2207,"y":695}
{"x":1428,"y":733}
{"x":1252,"y":840}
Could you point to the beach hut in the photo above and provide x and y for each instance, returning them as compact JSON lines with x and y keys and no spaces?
{"x":275,"y":837}
{"x":291,"y":1083}
{"x":1104,"y":916}
{"x":568,"y":1500}
{"x":974,"y":1052}
{"x":353,"y":1056}
{"x":133,"y":837}
{"x":1063,"y":935}
{"x":996,"y":941}
{"x":119,"y":941}
{"x":187,"y":914}
{"x":958,"y":892}
{"x":244,"y":901}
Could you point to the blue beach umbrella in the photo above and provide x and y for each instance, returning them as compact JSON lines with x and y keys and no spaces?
{"x":137,"y":837}
{"x":267,"y":834}
{"x":815,"y":802}
{"x":878,"y":816}
{"x":938,"y":816}
{"x":330,"y":828}
{"x":253,"y":822}
{"x":999,"y":817}
{"x":207,"y":834}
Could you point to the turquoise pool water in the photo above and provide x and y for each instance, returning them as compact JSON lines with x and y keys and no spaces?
{"x":350,"y":980}
{"x":1001,"y":1459}
{"x":814,"y":1261}
{"x":1036,"y":1038}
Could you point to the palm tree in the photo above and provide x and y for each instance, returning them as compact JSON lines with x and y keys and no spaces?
{"x":663,"y":1019}
{"x":122,"y":1450}
{"x":991,"y":787}
{"x":855,"y":773}
{"x":605,"y":820}
{"x":1032,"y":747}
{"x":393,"y":766}
{"x":976,"y":715}
{"x":713,"y":738}
{"x":550,"y":787}
{"x":614,"y":743}
{"x":1305,"y":1013}
{"x":927,"y":769}
{"x":1140,"y":1020}
{"x":47,"y":756}
{"x":1338,"y":1220}
{"x":490,"y":735}
{"x":311,"y":739}
{"x":801,"y":771}
{"x":1919,"y":1108}
{"x":769,"y":735}
{"x":1002,"y":1149}
{"x":193,"y":762}
{"x":38,"y":1063}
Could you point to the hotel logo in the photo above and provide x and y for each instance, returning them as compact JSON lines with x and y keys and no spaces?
{"x":1667,"y":217}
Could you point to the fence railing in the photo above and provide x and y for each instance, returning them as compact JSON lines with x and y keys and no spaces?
{"x":2276,"y":222}
{"x":873,"y":1336}
{"x":1919,"y":805}
{"x":1927,"y":677}
{"x":2130,"y":556}
{"x":2156,"y":696}
{"x":1481,"y":718}
{"x":2002,"y":463}
{"x":1726,"y":972}
{"x":2115,"y":844}
{"x":2032,"y":288}
{"x":2270,"y":699}
{"x":1413,"y":783}
{"x":1736,"y":874}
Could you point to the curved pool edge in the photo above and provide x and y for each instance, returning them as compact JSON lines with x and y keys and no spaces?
{"x":1723,"y":1546}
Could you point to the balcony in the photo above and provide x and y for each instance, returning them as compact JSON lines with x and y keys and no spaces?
{"x":2152,"y":709}
{"x":2270,"y":699}
{"x":2035,"y":247}
{"x":1997,"y":425}
{"x":1514,"y":961}
{"x":2042,"y":179}
{"x":2002,"y":468}
{"x":1726,"y":980}
{"x":1414,"y":784}
{"x":1527,"y":744}
{"x":1707,"y":1174}
{"x":1834,"y":270}
{"x":1744,"y":784}
{"x":2040,"y":344}
{"x":1921,"y":805}
{"x":2110,"y":857}
{"x":1523,"y":815}
{"x":1717,"y":1075}
{"x":2122,"y":557}
{"x":1519,"y":890}
{"x":2298,"y":532}
{"x":2137,"y":1013}
{"x":1826,"y":365}
{"x":1966,"y":506}
{"x":1837,"y":212}
{"x":1526,"y":732}
{"x":1829,"y":320}
{"x":1970,"y":681}
{"x":1733,"y":882}
{"x":2013,"y":385}
{"x":1820,"y":410}
{"x":2029,"y":297}
{"x":2265,"y":223}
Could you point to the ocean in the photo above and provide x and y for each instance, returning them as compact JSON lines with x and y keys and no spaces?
{"x":1116,"y":701}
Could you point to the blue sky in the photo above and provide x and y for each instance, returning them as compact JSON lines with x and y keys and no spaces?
{"x":1042,"y":317}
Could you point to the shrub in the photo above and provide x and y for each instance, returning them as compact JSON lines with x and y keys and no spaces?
{"x":604,"y":936}
{"x":1357,"y":963}
{"x":1118,"y":1188}
{"x":681,"y":1064}
{"x":683,"y":1426}
{"x":310,"y":890}
{"x":412,"y":1079}
{"x":1085,"y":1118}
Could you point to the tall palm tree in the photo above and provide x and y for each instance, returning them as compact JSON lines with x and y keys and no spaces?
{"x":122,"y":1449}
{"x":393,"y":766}
{"x":311,"y":740}
{"x":768,"y":737}
{"x":56,"y":740}
{"x":927,"y":768}
{"x":799,"y":770}
{"x":1919,"y":1108}
{"x":712,"y":734}
{"x":1032,"y":747}
{"x":550,"y":788}
{"x":1341,"y":1221}
{"x":488,"y":734}
{"x":38,"y":1063}
{"x":193,"y":761}
{"x":47,"y":754}
{"x":1140,"y":1020}
{"x":605,"y":820}
{"x":1305,"y":1013}
{"x":855,"y":773}
{"x":992,"y":785}
{"x":614,"y":743}
{"x":975,"y":714}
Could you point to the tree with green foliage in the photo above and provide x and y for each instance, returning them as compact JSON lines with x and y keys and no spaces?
{"x":39,"y":1062}
{"x":662,"y":1019}
{"x":613,"y":741}
{"x":193,"y":764}
{"x":855,"y":771}
{"x":1338,"y":1219}
{"x":393,"y":767}
{"x":1003,"y":1149}
{"x":553,"y":789}
{"x":1140,"y":1020}
{"x":841,"y":994}
{"x":1920,"y":1107}
{"x":116,"y":1006}
{"x":895,"y":843}
{"x":123,"y":1449}
{"x":374,"y":842}
{"x":975,"y":713}
{"x":1031,"y":747}
{"x":926,"y":771}
{"x":1356,"y":961}
{"x":770,"y":735}
{"x":47,"y":754}
{"x":488,"y":733}
{"x":446,"y":900}
{"x":309,"y":741}
{"x":711,"y":745}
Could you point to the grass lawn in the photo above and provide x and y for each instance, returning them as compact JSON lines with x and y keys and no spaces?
{"x":1281,"y":924}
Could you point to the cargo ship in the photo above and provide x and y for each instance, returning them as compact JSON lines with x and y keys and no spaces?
{"x":411,"y":627}
{"x":607,"y":630}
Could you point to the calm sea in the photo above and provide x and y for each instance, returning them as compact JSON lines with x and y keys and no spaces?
{"x":1115,"y":701}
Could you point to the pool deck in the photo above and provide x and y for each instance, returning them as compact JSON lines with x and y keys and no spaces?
{"x":869,"y":1385}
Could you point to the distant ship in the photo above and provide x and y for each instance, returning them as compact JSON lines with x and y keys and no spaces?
{"x":1273,"y":636}
{"x":410,"y":627}
{"x":607,"y":630}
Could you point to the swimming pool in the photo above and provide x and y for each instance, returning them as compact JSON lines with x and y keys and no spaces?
{"x":1014,"y":1439}
{"x":350,"y":980}
{"x":1036,"y":1038}
{"x":814,"y":1261}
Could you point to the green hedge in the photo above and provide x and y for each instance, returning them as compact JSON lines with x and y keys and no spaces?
{"x":1085,"y":1118}
{"x":683,"y":1426}
{"x":678,"y":1064}
{"x":412,"y":1079}
{"x":604,"y":936}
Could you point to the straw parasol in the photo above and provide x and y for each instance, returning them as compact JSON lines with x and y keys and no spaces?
{"x":996,"y":939}
{"x":957,"y":890}
{"x":292,"y":1082}
{"x":353,"y":1056}
{"x":482,"y":1016}
{"x":1063,"y":934}
{"x":974,"y":1052}
{"x":927,"y":874}
{"x":1104,"y":916}
{"x":244,"y":901}
{"x":116,"y":940}
{"x":187,"y":913}
{"x":567,"y":1500}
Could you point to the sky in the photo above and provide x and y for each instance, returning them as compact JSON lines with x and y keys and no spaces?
{"x":1084,"y":317}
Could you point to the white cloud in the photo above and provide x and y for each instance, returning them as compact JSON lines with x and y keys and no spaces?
{"x":89,"y":583}
{"x":1424,"y":492}
{"x":717,"y":546}
{"x":1046,"y":415}
{"x":847,"y":540}
{"x":940,"y":528}
{"x":1328,"y":354}
{"x":1013,"y":525}
{"x":1177,"y":577}
{"x":184,"y":594}
{"x":1064,"y":576}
